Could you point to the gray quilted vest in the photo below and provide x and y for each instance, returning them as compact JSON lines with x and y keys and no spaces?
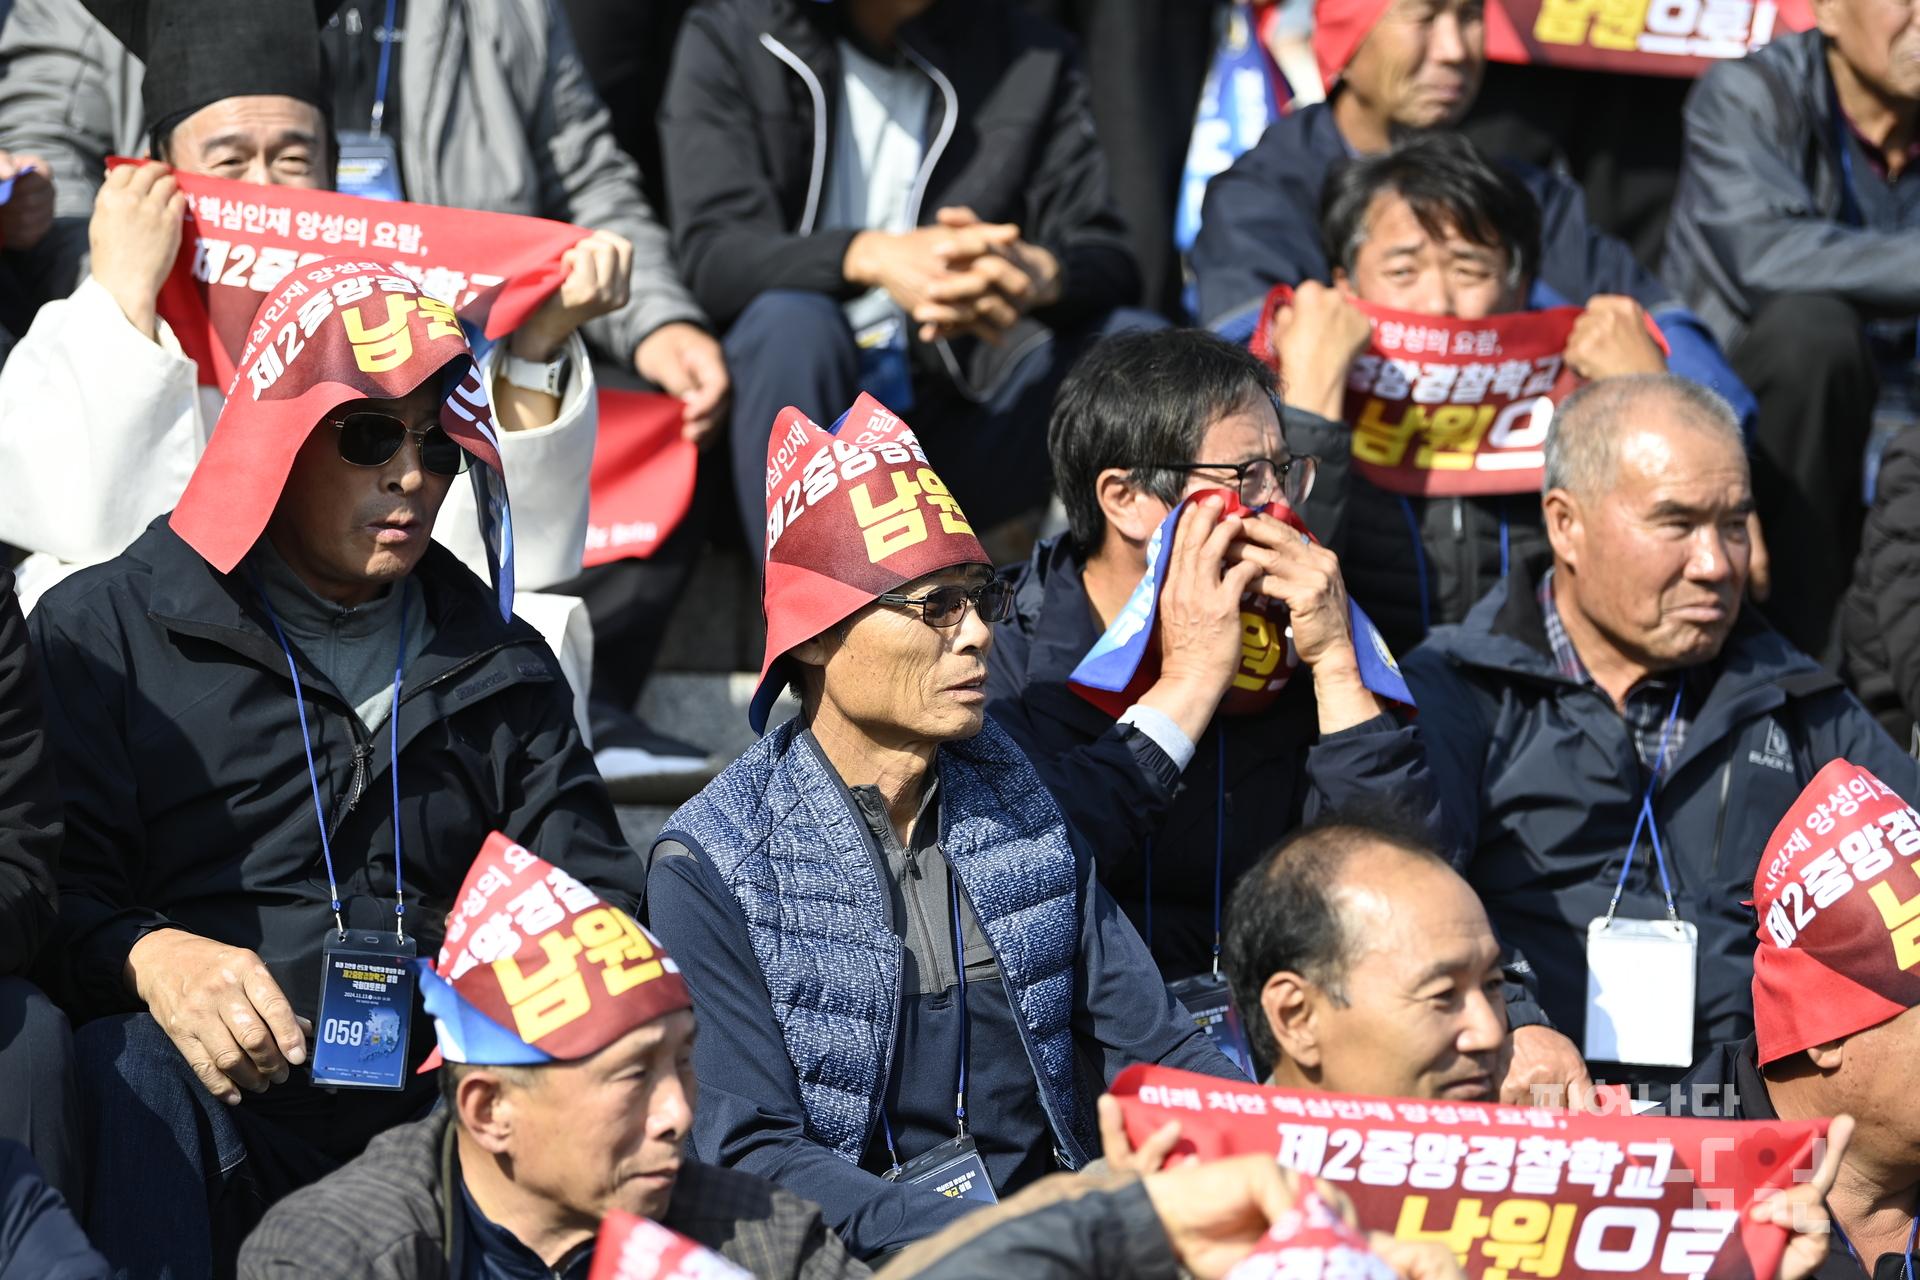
{"x":777,"y":826}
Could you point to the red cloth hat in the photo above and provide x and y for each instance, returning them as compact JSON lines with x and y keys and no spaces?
{"x":536,"y":968}
{"x":1339,"y":27}
{"x":1838,"y":897}
{"x":336,"y":331}
{"x":850,"y":515}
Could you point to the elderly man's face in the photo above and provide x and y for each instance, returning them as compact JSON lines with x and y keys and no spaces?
{"x":893,"y":677}
{"x":1420,"y":66}
{"x":1402,"y":265}
{"x":1879,"y":40}
{"x":1424,"y":1015}
{"x":607,"y":1132}
{"x":264,"y":139}
{"x":348,"y":530}
{"x":1658,"y":557}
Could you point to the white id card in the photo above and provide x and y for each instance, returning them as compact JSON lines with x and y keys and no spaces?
{"x":1640,"y":980}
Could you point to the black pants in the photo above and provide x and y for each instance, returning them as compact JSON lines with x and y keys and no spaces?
{"x":39,"y":1097}
{"x":1807,"y":359}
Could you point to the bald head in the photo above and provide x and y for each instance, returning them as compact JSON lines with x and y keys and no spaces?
{"x":1583,"y":450}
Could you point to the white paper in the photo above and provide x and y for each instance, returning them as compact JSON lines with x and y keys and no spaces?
{"x":1640,"y":985}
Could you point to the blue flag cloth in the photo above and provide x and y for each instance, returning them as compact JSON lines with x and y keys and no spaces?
{"x":1108,"y":674}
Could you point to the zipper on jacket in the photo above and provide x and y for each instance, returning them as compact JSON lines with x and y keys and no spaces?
{"x":817,"y":174}
{"x":356,"y":787}
{"x":1720,"y":821}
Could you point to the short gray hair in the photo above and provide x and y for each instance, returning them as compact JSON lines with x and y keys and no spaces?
{"x":1582,"y":446}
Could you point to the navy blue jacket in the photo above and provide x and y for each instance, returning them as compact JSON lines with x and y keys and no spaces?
{"x":1260,"y":226}
{"x":39,"y":1239}
{"x":1540,"y":786}
{"x":751,"y":1117}
{"x":1122,"y":794}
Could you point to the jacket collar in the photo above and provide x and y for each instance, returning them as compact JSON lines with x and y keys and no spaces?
{"x":190,"y":598}
{"x":1051,"y":605}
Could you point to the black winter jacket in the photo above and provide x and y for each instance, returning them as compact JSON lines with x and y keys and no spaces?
{"x":747,"y":129}
{"x":171,"y":714}
{"x":1764,"y":207}
{"x":1880,"y":616}
{"x":1540,"y":785}
{"x":31,"y":826}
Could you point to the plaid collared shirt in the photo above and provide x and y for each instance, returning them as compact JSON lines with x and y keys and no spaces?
{"x":1648,"y":703}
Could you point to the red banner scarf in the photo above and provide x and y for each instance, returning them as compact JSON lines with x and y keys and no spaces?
{"x":1838,"y":896}
{"x":1441,"y":406}
{"x":1513,"y":1192}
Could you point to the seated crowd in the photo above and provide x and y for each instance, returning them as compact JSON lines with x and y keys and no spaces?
{"x":1272,"y":758}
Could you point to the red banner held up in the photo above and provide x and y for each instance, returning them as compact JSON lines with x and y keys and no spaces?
{"x":1514,"y":1192}
{"x":635,"y":1248}
{"x":242,"y":238}
{"x":1639,"y":37}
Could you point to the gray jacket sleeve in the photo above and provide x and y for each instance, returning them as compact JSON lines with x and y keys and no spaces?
{"x":595,"y":184}
{"x":70,"y":94}
{"x":1753,"y":213}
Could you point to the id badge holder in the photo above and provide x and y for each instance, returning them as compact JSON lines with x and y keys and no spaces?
{"x":1207,"y":997}
{"x":369,"y":166}
{"x":366,"y":1009}
{"x":885,"y":372}
{"x":954,"y":1169}
{"x":1640,"y":987}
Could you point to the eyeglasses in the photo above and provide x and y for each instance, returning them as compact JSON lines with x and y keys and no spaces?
{"x":944,"y":607}
{"x":1261,"y":480}
{"x":369,"y":439}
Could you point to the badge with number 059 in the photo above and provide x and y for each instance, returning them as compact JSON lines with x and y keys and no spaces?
{"x":366,"y":1007}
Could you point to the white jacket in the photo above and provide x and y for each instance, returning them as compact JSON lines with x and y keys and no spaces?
{"x":100,"y":430}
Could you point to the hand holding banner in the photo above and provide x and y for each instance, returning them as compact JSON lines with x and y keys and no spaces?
{"x":241,"y":239}
{"x":1513,"y":1192}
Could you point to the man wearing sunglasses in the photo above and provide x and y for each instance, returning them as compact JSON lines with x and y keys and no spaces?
{"x":911,"y":984}
{"x":289,"y":716}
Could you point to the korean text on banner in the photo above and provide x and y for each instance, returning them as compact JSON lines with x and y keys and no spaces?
{"x":1514,"y":1192}
{"x":1442,"y":406}
{"x":1638,"y":37}
{"x":241,"y":239}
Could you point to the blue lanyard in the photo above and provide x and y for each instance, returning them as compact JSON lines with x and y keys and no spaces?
{"x":313,"y":774}
{"x":1912,"y":1233}
{"x":380,"y":81}
{"x":960,"y":974}
{"x":1646,"y":820}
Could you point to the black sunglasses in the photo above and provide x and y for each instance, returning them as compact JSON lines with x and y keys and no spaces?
{"x":369,"y":439}
{"x":943,"y":607}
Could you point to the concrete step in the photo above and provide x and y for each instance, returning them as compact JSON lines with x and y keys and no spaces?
{"x":641,"y":823}
{"x":708,"y":709}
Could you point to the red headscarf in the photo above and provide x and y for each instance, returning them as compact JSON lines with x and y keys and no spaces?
{"x":1838,"y":896}
{"x":850,"y":515}
{"x":1339,"y":27}
{"x":336,"y":331}
{"x":536,"y":968}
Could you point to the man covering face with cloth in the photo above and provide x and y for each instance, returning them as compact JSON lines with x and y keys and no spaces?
{"x":899,"y":949}
{"x":287,"y":717}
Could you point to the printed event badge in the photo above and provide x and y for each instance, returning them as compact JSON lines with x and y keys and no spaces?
{"x":1640,"y":985}
{"x":369,"y":166}
{"x":1208,"y":999}
{"x":366,"y":1008}
{"x":954,"y":1169}
{"x":885,"y":371}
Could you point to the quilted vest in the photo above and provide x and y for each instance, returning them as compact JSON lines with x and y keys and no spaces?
{"x":778,"y":827}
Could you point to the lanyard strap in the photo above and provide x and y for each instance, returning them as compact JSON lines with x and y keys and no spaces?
{"x":1647,"y":823}
{"x":1219,"y":836}
{"x":313,"y":774}
{"x":1913,"y":1232}
{"x":380,"y":80}
{"x":960,"y":974}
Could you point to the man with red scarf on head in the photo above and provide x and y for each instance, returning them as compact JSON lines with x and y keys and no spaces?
{"x":281,"y":719}
{"x":911,"y":983}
